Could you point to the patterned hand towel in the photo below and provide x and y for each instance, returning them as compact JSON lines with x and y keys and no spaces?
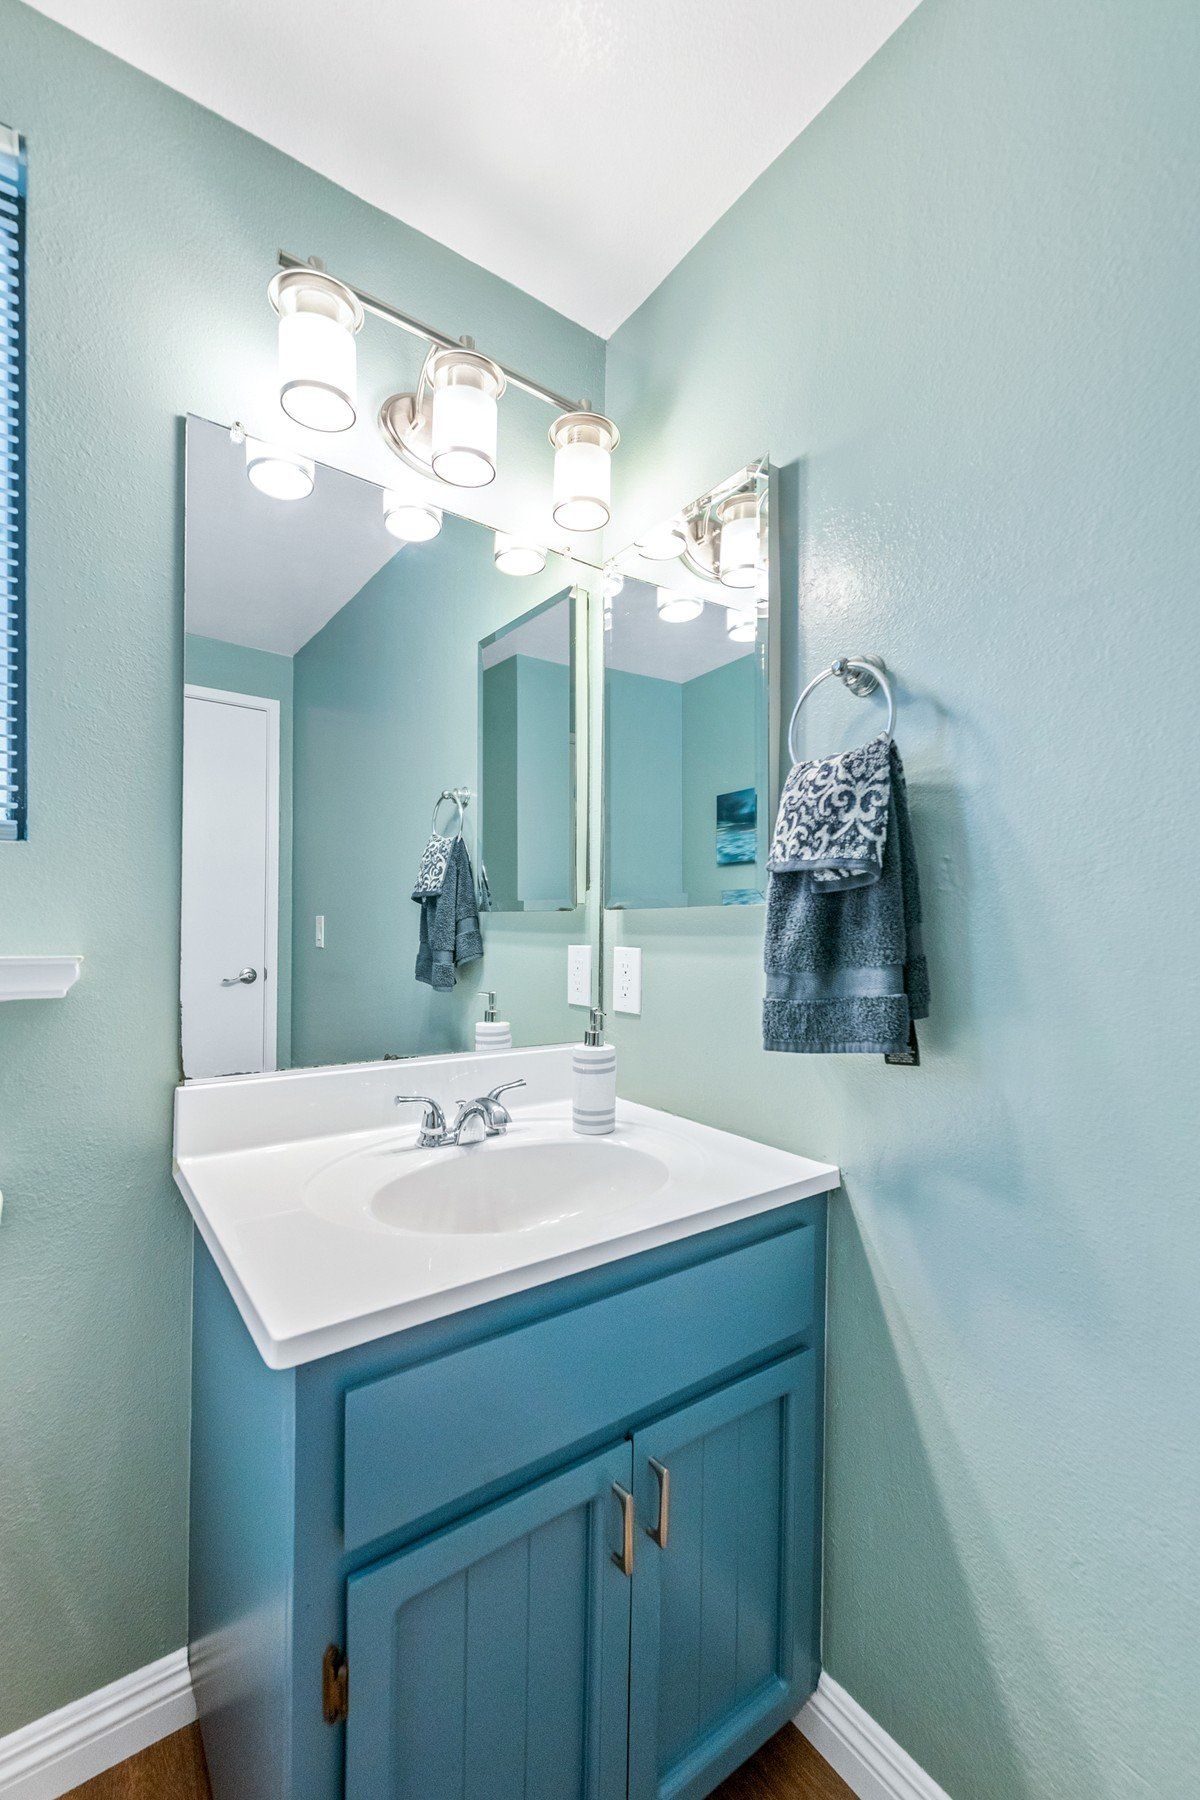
{"x":844,"y":963}
{"x":450,"y":934}
{"x":435,"y":860}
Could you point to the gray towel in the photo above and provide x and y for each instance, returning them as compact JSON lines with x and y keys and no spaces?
{"x":450,"y":934}
{"x":845,"y":967}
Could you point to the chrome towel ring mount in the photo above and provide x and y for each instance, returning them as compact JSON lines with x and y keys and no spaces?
{"x":862,"y":675}
{"x":458,"y":798}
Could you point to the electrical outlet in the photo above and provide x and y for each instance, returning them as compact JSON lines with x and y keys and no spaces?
{"x":320,"y":931}
{"x":627,"y":978}
{"x":579,"y":974}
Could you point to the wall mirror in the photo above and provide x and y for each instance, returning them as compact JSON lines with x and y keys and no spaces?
{"x":349,"y":692}
{"x":690,"y":704}
{"x":527,"y":759}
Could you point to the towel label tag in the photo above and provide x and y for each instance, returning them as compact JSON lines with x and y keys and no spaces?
{"x":910,"y":1058}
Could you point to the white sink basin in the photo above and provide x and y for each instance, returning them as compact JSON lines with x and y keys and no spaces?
{"x":331,"y":1228}
{"x":532,"y":1177}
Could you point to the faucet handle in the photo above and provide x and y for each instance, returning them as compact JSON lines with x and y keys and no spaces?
{"x":505,"y":1086}
{"x":432,"y":1119}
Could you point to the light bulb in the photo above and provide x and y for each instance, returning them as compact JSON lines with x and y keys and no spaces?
{"x":464,"y":417}
{"x":741,"y":627}
{"x":583,"y":446}
{"x":514,"y":556}
{"x":409,"y":518}
{"x":662,"y":542}
{"x":737,"y":542}
{"x":280,"y":473}
{"x":318,"y":320}
{"x":678,"y":609}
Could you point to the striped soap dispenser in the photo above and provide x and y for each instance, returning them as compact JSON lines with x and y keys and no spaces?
{"x":594,"y":1081}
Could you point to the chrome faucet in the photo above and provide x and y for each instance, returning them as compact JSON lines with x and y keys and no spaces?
{"x":488,"y":1112}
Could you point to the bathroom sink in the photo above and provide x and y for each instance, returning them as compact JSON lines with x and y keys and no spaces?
{"x":538,"y":1174}
{"x":333,"y":1227}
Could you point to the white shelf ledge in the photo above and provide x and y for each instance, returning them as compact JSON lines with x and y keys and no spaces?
{"x":38,"y":977}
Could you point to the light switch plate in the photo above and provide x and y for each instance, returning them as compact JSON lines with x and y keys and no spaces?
{"x":627,"y":978}
{"x":579,"y":974}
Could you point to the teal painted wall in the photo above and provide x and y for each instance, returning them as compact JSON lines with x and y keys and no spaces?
{"x":643,"y":771}
{"x":385,"y":717}
{"x":153,"y":228}
{"x":720,"y":745}
{"x":210,"y":662}
{"x":544,"y":784}
{"x":961,"y":312}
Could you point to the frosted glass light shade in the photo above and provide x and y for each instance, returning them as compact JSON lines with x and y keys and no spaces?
{"x":409,"y":518}
{"x":611,"y":583}
{"x":662,"y":542}
{"x":281,"y":474}
{"x":737,"y":543}
{"x":318,"y":366}
{"x":464,"y":417}
{"x":678,"y":609}
{"x":741,"y":627}
{"x":514,"y":556}
{"x":583,"y":446}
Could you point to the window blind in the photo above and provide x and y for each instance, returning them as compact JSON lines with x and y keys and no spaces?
{"x":12,"y":485}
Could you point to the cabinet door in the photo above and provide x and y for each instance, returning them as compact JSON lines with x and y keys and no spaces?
{"x":493,"y":1659}
{"x":724,"y":1625}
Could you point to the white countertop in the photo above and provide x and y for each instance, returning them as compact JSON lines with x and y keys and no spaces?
{"x":283,"y":1176}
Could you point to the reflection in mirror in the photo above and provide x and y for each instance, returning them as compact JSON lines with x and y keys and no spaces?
{"x":688,"y":686}
{"x":527,"y":760}
{"x":334,"y":692}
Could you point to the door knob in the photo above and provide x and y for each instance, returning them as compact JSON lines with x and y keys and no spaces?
{"x":245,"y":975}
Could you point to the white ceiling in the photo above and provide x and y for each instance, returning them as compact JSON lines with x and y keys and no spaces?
{"x":269,"y":573}
{"x":576,"y":147}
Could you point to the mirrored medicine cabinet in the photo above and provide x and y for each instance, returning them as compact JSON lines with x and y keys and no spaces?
{"x":366,"y":671}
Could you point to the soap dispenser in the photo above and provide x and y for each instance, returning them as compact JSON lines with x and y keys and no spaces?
{"x":594,"y":1081}
{"x":492,"y":1033}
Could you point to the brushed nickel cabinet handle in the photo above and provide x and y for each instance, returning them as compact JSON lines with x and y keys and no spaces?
{"x":624,"y":1557}
{"x":659,"y":1532}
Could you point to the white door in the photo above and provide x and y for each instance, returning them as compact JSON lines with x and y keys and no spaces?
{"x":230,"y":881}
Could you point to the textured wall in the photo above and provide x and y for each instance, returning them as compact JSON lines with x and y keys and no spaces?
{"x":962,"y":312}
{"x":153,"y":231}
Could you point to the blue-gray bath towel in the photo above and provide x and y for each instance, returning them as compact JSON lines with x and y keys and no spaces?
{"x":450,"y":934}
{"x":845,"y":967}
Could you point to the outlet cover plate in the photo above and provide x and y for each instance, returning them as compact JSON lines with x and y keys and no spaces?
{"x":627,"y":978}
{"x":579,"y":974}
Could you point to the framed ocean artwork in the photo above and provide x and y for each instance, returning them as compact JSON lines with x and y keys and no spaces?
{"x":737,"y":826}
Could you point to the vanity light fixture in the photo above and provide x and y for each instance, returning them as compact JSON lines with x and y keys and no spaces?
{"x":662,"y":542}
{"x":280,"y":473}
{"x":678,"y":609}
{"x":737,"y":527}
{"x":464,"y":417}
{"x":583,"y":446}
{"x":319,"y":319}
{"x":409,"y":517}
{"x":741,"y":627}
{"x":515,"y":556}
{"x":611,"y":582}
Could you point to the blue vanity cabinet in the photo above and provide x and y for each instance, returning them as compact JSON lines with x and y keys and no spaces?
{"x":492,"y":1660}
{"x":725,"y":1586}
{"x":443,"y":1513}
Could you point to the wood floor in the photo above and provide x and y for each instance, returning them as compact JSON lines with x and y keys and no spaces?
{"x":788,"y":1768}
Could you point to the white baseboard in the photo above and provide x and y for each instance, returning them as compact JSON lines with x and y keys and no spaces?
{"x":866,"y":1758}
{"x":44,"y":1760}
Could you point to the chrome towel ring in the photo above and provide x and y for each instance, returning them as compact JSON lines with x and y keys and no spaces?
{"x":458,"y":797}
{"x":862,"y":675}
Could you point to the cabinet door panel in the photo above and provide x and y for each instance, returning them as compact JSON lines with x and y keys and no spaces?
{"x":724,"y":1622}
{"x":493,"y":1660}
